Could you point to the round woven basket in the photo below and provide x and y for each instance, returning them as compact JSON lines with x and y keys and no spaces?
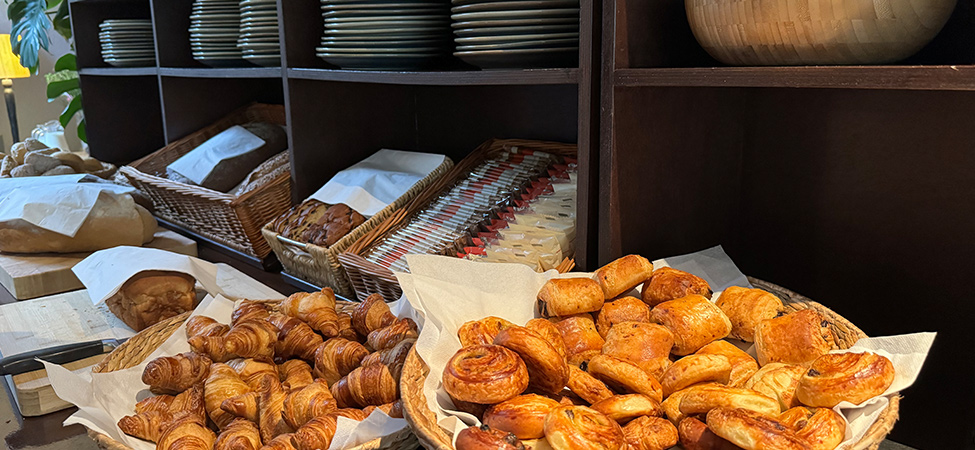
{"x":786,"y":32}
{"x":433,"y":437}
{"x":132,"y":352}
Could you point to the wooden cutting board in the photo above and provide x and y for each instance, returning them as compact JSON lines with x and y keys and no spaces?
{"x":31,"y":276}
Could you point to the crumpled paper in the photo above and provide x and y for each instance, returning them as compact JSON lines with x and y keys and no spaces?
{"x":451,"y":291}
{"x":104,"y":398}
{"x":61,"y":205}
{"x":104,"y":272}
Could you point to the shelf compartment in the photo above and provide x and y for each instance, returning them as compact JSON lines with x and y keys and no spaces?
{"x":222,"y":72}
{"x":119,"y":71}
{"x":123,"y":116}
{"x":443,"y":78}
{"x":85,"y":19}
{"x":193,"y":103}
{"x":934,"y":78}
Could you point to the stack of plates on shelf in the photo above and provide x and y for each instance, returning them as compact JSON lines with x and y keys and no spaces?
{"x":517,"y":34}
{"x":127,"y":42}
{"x":214,"y":29}
{"x":385,"y":34}
{"x":259,"y":32}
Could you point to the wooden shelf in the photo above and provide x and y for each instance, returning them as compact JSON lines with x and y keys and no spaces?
{"x":223,"y":72}
{"x":445,"y":78}
{"x":928,"y":78}
{"x":119,"y":71}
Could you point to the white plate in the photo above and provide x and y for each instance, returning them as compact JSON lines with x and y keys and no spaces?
{"x":515,"y":5}
{"x":419,"y":25}
{"x":507,"y":31}
{"x":516,"y":14}
{"x":525,"y":58}
{"x":426,"y":18}
{"x":390,"y":33}
{"x":541,"y":43}
{"x":517,"y":22}
{"x":513,"y":38}
{"x":371,"y":50}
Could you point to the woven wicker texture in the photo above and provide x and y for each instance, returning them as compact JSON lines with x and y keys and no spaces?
{"x":370,"y":278}
{"x":320,"y":265}
{"x":232,"y":221}
{"x":431,"y":436}
{"x":132,"y":352}
{"x":784,"y":32}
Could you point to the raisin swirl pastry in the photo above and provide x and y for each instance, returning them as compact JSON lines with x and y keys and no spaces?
{"x":582,"y":428}
{"x":484,"y":438}
{"x":547,"y":370}
{"x":851,"y":377}
{"x":485,"y":374}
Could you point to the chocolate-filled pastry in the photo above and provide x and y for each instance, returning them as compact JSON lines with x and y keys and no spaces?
{"x":747,"y":308}
{"x":481,"y":332}
{"x":624,"y":408}
{"x":548,"y":331}
{"x":485,"y":374}
{"x":626,"y":309}
{"x":582,"y":341}
{"x":779,"y":381}
{"x":821,"y":428}
{"x":695,"y":435}
{"x":485,"y":438}
{"x":624,"y":376}
{"x":645,"y":344}
{"x":743,"y":366}
{"x":694,"y":369}
{"x":851,"y":377}
{"x":581,"y":428}
{"x":567,"y":296}
{"x":650,"y":433}
{"x":701,"y":399}
{"x":753,"y":431}
{"x":547,"y":370}
{"x":694,"y":320}
{"x":795,"y":338}
{"x":586,"y":386}
{"x":667,"y":284}
{"x":523,"y":416}
{"x":623,"y":274}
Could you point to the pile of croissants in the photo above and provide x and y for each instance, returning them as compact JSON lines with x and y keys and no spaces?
{"x":603,"y":370}
{"x":278,"y":377}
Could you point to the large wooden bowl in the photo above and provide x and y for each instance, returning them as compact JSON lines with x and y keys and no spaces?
{"x":431,"y":436}
{"x":808,"y":32}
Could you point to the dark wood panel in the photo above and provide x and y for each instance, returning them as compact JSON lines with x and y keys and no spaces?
{"x":655,"y":33}
{"x":221,"y":72}
{"x":587,"y":208}
{"x":123,"y":117}
{"x":172,"y":23}
{"x":85,"y":18}
{"x":460,"y":78}
{"x":193,"y":103}
{"x":958,"y":78}
{"x":302,"y":23}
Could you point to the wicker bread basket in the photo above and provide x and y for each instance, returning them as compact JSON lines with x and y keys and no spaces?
{"x":132,"y":352}
{"x":224,"y":218}
{"x":370,"y":278}
{"x":433,"y":437}
{"x":320,"y":265}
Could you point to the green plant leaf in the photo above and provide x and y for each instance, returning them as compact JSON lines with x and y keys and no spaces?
{"x":61,"y":75}
{"x":82,"y":134}
{"x":28,"y":35}
{"x":59,"y":87}
{"x":70,"y":111}
{"x":67,"y":62}
{"x":53,"y":3}
{"x":62,"y":21}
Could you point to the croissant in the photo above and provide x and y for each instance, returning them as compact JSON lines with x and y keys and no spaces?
{"x":393,"y":357}
{"x":281,"y":442}
{"x":240,"y":434}
{"x":252,"y":339}
{"x":157,"y":403}
{"x":304,"y":404}
{"x":391,"y":335}
{"x":318,"y":432}
{"x":244,"y":406}
{"x":248,"y":310}
{"x":204,"y":326}
{"x":371,"y":315}
{"x":337,"y":357}
{"x":186,"y":433}
{"x":345,"y":327}
{"x":367,"y":385}
{"x":394,"y":410}
{"x":175,"y":374}
{"x":251,"y":371}
{"x":295,"y":338}
{"x":214,"y":347}
{"x":146,"y":425}
{"x":270,"y":407}
{"x":315,"y":308}
{"x":296,"y":374}
{"x":222,"y":384}
{"x":191,"y":401}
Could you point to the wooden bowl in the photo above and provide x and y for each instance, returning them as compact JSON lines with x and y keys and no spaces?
{"x":433,"y":437}
{"x":807,"y":32}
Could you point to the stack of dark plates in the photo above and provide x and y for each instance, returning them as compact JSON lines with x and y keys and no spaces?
{"x":385,"y":34}
{"x":214,"y":30}
{"x":127,"y":42}
{"x":517,"y":34}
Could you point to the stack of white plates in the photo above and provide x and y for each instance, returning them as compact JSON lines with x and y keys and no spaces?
{"x":259,"y":32}
{"x":127,"y":42}
{"x":385,"y":34}
{"x":214,"y":29}
{"x":517,"y":34}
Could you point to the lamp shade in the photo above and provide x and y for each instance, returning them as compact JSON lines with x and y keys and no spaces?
{"x":9,"y":62}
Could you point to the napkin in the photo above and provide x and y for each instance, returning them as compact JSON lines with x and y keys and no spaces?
{"x":199,"y":162}
{"x":61,"y":206}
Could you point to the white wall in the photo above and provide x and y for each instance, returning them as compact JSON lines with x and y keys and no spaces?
{"x":31,"y":93}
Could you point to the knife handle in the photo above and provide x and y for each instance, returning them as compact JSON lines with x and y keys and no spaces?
{"x":26,"y":362}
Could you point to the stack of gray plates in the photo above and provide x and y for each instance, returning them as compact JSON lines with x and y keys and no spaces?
{"x":214,"y":29}
{"x":127,"y":42}
{"x":259,"y":32}
{"x":517,"y":34}
{"x":385,"y":34}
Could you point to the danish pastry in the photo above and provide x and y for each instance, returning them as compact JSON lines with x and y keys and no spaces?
{"x":821,"y":428}
{"x":549,"y":332}
{"x":623,"y":274}
{"x":586,"y":386}
{"x":582,"y":341}
{"x":747,"y":308}
{"x":624,"y":376}
{"x":695,"y":369}
{"x":626,"y":309}
{"x":581,"y":428}
{"x":484,"y":438}
{"x":650,"y":433}
{"x":753,"y":431}
{"x":523,"y":416}
{"x":645,"y":344}
{"x":850,"y":377}
{"x":547,"y":370}
{"x":694,"y":320}
{"x":795,"y":338}
{"x":743,"y":366}
{"x":695,"y":435}
{"x":481,"y":332}
{"x":778,"y":381}
{"x":624,"y":408}
{"x":701,"y":399}
{"x":667,"y":284}
{"x":567,"y":296}
{"x":485,"y":374}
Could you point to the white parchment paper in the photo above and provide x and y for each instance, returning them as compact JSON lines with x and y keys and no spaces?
{"x":451,"y":291}
{"x":199,"y":162}
{"x":62,"y":206}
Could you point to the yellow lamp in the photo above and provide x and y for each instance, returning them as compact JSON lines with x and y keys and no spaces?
{"x":10,"y":68}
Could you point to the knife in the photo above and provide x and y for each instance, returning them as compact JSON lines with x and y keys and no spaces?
{"x":61,"y":354}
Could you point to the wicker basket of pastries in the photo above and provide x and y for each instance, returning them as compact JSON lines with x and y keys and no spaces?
{"x":277,"y":377}
{"x":598,"y":369}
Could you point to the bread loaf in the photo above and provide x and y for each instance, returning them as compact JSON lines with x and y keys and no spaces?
{"x":151,"y":296}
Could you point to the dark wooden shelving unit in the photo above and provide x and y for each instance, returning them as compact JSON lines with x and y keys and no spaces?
{"x":444,"y":78}
{"x":221,"y":72}
{"x":119,"y":71}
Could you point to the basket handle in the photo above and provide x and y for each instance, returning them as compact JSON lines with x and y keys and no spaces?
{"x":285,"y":240}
